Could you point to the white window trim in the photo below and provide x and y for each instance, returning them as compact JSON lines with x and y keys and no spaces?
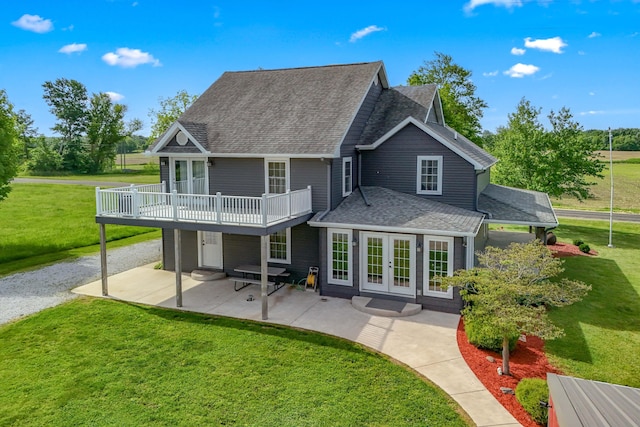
{"x":276,"y":260}
{"x":287,"y":171}
{"x":189,"y":160}
{"x":330,"y":279}
{"x":419,"y":190}
{"x":425,"y":264}
{"x":344,"y":176}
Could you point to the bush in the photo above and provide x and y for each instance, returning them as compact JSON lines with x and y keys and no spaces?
{"x":584,"y":248}
{"x":578,"y":242}
{"x":481,"y":336}
{"x":530,"y":392}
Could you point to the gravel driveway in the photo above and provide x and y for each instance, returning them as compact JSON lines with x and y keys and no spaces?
{"x":26,"y":293}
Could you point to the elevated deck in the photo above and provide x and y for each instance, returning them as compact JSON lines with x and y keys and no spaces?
{"x":149,"y":205}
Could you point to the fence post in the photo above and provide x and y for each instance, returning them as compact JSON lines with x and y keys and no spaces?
{"x":174,"y":204}
{"x":135,"y":203}
{"x":310,"y":199}
{"x":288,"y":203}
{"x":98,"y":202}
{"x":219,"y":207}
{"x":264,"y":210}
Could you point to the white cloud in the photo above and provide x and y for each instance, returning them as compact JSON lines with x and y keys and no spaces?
{"x":594,"y":35}
{"x":364,"y":32}
{"x":115,"y":96}
{"x":73,"y":47}
{"x":129,"y":58}
{"x":34,"y":23}
{"x":517,"y":51}
{"x":581,"y":52}
{"x":554,"y":44}
{"x":592,"y":93}
{"x":134,"y":4}
{"x":520,"y":70}
{"x":591,"y":113}
{"x":491,"y":74}
{"x":504,"y":3}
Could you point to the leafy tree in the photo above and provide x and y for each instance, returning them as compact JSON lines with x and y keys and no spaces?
{"x":68,"y":101}
{"x":170,"y":110}
{"x":8,"y":145}
{"x":27,"y":134}
{"x":509,"y":294}
{"x":557,"y":162}
{"x":45,"y":156}
{"x":105,"y":128}
{"x":462,"y":108}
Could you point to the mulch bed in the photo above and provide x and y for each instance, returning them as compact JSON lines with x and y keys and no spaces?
{"x":563,"y":250}
{"x":526,"y":361}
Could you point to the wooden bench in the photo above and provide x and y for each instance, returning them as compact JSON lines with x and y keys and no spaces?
{"x":244,"y":281}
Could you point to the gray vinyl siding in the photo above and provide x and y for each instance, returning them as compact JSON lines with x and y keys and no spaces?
{"x":189,"y":240}
{"x":394,"y":165}
{"x":240,"y":249}
{"x":432,"y":115}
{"x":164,"y":172}
{"x":340,"y":291}
{"x":313,"y":172}
{"x":236,"y":177}
{"x":483,"y":179}
{"x":351,"y":139}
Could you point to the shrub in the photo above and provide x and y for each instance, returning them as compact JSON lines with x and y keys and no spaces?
{"x":530,"y":392}
{"x":578,"y":242}
{"x":584,"y":248}
{"x":480,"y":336}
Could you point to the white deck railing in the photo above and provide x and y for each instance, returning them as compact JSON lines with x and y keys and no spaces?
{"x":151,"y":202}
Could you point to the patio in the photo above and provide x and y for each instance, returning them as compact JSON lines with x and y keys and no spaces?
{"x":426,"y":342}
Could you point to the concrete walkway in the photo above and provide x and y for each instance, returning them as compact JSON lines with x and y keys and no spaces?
{"x":426,"y":342}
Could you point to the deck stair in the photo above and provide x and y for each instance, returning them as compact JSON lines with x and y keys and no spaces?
{"x":208,"y":275}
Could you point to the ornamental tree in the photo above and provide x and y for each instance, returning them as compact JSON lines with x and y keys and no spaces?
{"x":509,"y":294}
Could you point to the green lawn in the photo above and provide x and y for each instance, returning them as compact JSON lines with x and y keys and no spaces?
{"x":102,"y":362}
{"x":44,"y":223}
{"x":603,"y":330}
{"x":137,"y":177}
{"x":626,"y":181}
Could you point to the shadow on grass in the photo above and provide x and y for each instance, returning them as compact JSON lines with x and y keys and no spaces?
{"x":280,"y":331}
{"x":612,"y":304}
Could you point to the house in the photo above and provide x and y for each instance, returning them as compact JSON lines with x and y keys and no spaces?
{"x":324,"y":166}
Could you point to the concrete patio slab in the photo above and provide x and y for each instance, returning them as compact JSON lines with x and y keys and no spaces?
{"x":426,"y":342}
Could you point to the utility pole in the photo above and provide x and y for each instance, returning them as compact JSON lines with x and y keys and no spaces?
{"x":611,"y":198}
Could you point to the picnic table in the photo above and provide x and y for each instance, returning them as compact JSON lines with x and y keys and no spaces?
{"x":251,"y":275}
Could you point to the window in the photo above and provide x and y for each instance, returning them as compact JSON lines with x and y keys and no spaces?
{"x":279,"y":247}
{"x":438,"y":261}
{"x":429,"y":175}
{"x":347,"y":172}
{"x":339,"y":265}
{"x":277,"y":176}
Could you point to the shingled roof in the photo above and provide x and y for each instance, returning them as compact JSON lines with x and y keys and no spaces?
{"x":507,"y":205}
{"x":293,"y":111}
{"x":390,"y":210}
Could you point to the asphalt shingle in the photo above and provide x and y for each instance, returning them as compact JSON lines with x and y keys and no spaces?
{"x":517,"y":205}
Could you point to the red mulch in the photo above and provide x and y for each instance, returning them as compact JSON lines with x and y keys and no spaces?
{"x":526,"y":361}
{"x":563,"y":250}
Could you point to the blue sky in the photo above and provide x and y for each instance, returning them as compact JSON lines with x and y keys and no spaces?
{"x":584,"y":55}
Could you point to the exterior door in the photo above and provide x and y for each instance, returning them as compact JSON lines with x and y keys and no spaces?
{"x":190,"y":176}
{"x":388,"y":263}
{"x":210,"y":253}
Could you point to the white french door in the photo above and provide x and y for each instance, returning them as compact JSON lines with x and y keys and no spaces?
{"x":388,"y":263}
{"x":210,"y":249}
{"x":190,"y":176}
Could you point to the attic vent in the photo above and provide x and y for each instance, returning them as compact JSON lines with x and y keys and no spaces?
{"x":375,"y":80}
{"x":181,"y":138}
{"x":455,"y":135}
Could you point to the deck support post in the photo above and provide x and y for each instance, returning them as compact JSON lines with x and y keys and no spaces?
{"x":264,"y":269}
{"x":103,"y":260}
{"x":177,"y":248}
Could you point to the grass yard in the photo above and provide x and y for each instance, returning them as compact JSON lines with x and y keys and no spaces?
{"x":626,"y":181}
{"x":137,"y":177}
{"x":603,"y":330}
{"x":102,"y":362}
{"x":45,"y":223}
